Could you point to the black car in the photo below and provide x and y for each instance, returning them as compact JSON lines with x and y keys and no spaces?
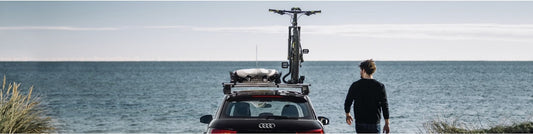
{"x":265,"y":111}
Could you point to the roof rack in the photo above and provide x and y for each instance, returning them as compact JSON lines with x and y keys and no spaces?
{"x":304,"y":87}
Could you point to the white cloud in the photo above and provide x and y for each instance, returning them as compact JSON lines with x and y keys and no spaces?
{"x":491,"y":32}
{"x":62,"y":28}
{"x":256,"y":29}
{"x":432,"y":31}
{"x":168,"y":27}
{"x":500,"y":32}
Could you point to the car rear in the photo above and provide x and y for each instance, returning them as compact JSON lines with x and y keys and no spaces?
{"x":266,"y":111}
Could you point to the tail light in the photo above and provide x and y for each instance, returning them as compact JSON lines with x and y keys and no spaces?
{"x":314,"y":131}
{"x":222,"y":131}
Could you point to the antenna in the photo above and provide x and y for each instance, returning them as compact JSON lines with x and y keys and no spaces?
{"x":256,"y":62}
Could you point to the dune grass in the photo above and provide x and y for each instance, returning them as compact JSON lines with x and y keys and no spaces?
{"x":21,"y":113}
{"x":439,"y":126}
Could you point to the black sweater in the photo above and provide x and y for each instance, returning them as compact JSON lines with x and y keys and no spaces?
{"x":370,"y":99}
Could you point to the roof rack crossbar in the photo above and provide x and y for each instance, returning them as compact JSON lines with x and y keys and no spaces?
{"x":303,"y":87}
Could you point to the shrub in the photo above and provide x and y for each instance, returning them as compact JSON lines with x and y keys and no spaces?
{"x":21,"y":113}
{"x":438,"y":126}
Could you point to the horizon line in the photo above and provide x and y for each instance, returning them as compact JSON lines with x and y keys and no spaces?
{"x":250,"y":60}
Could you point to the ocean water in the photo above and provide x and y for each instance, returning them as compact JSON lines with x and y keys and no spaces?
{"x":131,"y":97}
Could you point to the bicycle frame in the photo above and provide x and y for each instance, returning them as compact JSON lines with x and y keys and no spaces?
{"x":295,"y":55}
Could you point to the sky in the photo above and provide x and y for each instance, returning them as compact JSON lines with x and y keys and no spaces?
{"x":231,"y":31}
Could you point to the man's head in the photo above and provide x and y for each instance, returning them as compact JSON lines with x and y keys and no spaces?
{"x":368,"y":67}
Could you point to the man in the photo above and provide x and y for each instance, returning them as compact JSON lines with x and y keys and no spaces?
{"x":370,"y":100}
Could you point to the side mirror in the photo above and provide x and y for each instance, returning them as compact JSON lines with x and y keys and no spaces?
{"x":206,"y":119}
{"x":324,"y":120}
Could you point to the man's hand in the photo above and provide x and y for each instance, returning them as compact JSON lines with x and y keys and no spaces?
{"x":386,"y":127}
{"x":349,"y":119}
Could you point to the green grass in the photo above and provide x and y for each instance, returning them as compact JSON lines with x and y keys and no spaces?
{"x":21,"y":113}
{"x":438,"y":126}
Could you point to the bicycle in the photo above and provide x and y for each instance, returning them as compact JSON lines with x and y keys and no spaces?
{"x":295,"y":51}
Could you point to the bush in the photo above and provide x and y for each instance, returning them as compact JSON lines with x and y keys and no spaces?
{"x":21,"y":113}
{"x":438,"y":126}
{"x":525,"y":127}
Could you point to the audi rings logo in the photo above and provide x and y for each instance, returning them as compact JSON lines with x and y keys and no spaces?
{"x":267,"y":125}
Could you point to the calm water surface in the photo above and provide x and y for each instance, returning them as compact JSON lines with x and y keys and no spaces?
{"x":172,"y":96}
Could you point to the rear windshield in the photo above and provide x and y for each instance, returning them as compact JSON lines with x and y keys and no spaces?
{"x":269,"y":109}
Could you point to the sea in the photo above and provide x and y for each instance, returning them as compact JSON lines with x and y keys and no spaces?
{"x":170,"y":97}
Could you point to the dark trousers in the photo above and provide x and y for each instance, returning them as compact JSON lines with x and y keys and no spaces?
{"x":367,"y":128}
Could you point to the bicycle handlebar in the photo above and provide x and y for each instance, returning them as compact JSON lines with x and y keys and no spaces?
{"x":281,"y":12}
